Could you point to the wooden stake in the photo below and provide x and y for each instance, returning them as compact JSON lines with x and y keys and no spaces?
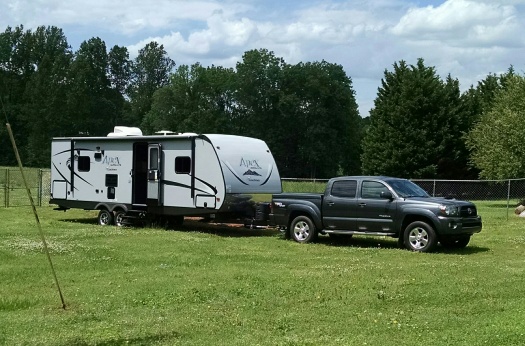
{"x":36,"y":214}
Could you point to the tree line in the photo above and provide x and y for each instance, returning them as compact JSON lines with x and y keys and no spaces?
{"x":420,"y":126}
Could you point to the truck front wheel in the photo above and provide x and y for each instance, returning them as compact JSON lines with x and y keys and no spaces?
{"x":420,"y":236}
{"x":303,"y":230}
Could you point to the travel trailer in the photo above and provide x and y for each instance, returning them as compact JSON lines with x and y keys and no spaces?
{"x":127,"y":175}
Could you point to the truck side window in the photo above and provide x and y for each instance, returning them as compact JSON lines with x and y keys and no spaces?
{"x":372,"y":189}
{"x":344,"y":188}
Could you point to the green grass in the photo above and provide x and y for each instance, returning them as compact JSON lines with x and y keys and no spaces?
{"x":205,"y":285}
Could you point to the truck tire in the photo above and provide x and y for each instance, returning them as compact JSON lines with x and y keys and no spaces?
{"x":455,"y":243}
{"x":420,"y":237}
{"x":105,"y":217}
{"x":303,"y":230}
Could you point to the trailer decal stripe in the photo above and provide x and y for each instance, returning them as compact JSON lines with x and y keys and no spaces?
{"x":269,"y":175}
{"x":60,"y":173}
{"x":233,"y":172}
{"x":208,"y":185}
{"x":172,"y":183}
{"x":76,"y":174}
{"x":64,"y":151}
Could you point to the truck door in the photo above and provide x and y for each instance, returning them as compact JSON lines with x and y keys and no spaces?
{"x":340,"y":206}
{"x":154,"y":174}
{"x":375,"y":212}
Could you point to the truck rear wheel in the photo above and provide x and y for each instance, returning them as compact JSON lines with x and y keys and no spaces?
{"x":420,"y":236}
{"x":303,"y":230}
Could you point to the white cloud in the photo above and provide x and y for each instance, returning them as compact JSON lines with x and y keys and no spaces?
{"x":466,"y":38}
{"x":463,"y":23}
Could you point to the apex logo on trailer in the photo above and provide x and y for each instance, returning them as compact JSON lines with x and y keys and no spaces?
{"x":111,"y":161}
{"x":252,"y":165}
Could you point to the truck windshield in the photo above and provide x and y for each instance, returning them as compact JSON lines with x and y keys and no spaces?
{"x":406,"y":188}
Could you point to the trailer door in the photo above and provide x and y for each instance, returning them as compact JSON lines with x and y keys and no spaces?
{"x":154,"y":173}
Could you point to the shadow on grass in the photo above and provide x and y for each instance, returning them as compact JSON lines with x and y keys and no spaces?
{"x":359,"y":241}
{"x":85,"y":221}
{"x":238,"y":231}
{"x":142,"y":340}
{"x":469,"y":250}
{"x":390,"y":243}
{"x":196,"y":225}
{"x":227,"y":230}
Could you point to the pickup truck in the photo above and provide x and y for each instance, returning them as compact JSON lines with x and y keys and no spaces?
{"x":377,"y":206}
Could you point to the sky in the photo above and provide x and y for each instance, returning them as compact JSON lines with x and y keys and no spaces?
{"x":467,"y":39}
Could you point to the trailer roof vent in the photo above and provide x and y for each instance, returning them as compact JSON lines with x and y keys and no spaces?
{"x":165,"y":133}
{"x":124,"y":131}
{"x":189,"y":134}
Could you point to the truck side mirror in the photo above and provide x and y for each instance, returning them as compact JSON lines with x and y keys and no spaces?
{"x":386,"y":195}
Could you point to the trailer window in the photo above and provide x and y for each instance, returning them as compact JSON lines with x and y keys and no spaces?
{"x":153,"y":158}
{"x":84,"y":163}
{"x":182,"y":165}
{"x":111,"y":180}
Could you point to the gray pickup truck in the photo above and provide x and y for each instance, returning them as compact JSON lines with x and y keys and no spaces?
{"x":378,"y":206}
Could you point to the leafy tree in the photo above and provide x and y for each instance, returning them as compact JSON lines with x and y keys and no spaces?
{"x":120,"y":78}
{"x":91,"y":99}
{"x":16,"y":70}
{"x":150,"y":71}
{"x":258,"y":90}
{"x":318,"y":133}
{"x":413,"y":124}
{"x":197,"y":99}
{"x":496,"y":140}
{"x":119,"y":68}
{"x":45,"y":111}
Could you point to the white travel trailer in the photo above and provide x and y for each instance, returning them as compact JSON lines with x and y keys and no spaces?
{"x":172,"y":175}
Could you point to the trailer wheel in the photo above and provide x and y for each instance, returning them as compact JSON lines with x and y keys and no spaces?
{"x":303,"y":230}
{"x":119,"y":218}
{"x":105,"y":217}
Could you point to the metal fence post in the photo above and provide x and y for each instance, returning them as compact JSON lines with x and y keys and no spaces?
{"x":7,"y":188}
{"x":508,"y":200}
{"x":40,"y":175}
{"x":434,"y":189}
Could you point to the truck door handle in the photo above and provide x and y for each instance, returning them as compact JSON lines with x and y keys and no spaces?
{"x":362,"y":204}
{"x":330,"y":204}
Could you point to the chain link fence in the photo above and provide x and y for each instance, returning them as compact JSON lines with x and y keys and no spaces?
{"x":12,"y":189}
{"x":511,"y":190}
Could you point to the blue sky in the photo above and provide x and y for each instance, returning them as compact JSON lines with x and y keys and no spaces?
{"x":465,"y":38}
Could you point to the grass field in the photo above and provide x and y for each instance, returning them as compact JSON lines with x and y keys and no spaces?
{"x":214,"y":285}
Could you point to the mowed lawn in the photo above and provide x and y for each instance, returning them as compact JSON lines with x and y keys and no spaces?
{"x":217,"y":285}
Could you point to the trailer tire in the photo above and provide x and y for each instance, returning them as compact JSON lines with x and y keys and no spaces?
{"x":120,"y":218}
{"x":105,"y":217}
{"x":303,"y":230}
